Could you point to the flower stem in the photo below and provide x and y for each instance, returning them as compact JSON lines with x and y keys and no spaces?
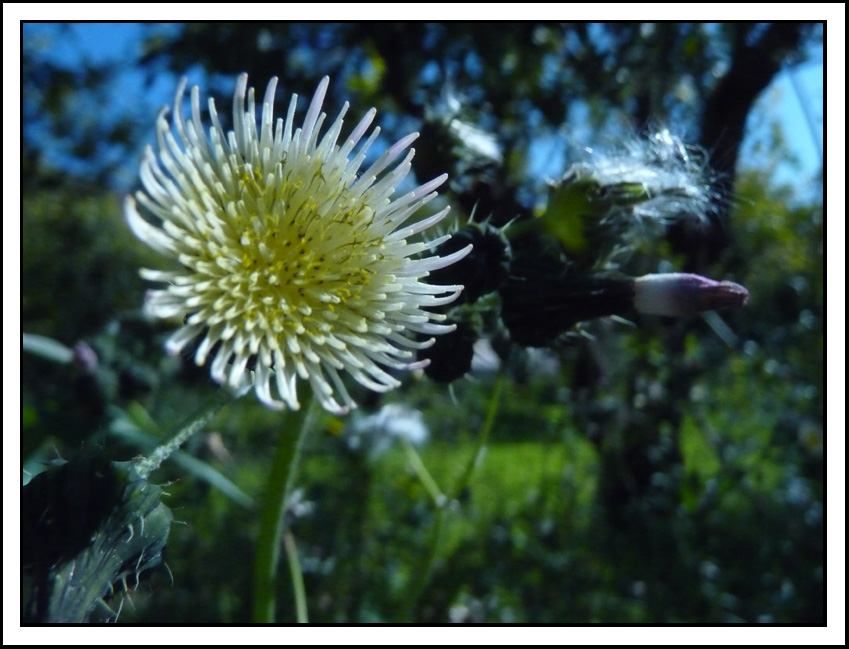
{"x":483,"y":437}
{"x":426,"y":479}
{"x":442,"y":502}
{"x":284,"y":471}
{"x":297,"y":577}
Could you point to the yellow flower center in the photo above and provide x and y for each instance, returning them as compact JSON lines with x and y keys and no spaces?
{"x":306,"y":247}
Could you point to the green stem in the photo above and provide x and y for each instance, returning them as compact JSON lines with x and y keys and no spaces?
{"x":297,"y":577}
{"x":147,"y":465}
{"x":483,"y":437}
{"x":442,"y":501}
{"x":427,"y":480}
{"x":284,"y":469}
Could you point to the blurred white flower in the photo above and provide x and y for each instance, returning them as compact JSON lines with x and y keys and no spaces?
{"x":375,"y":434}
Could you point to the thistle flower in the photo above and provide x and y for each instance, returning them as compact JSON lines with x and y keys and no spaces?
{"x":295,"y":262}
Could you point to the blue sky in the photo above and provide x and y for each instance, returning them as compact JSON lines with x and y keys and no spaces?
{"x":794,"y":102}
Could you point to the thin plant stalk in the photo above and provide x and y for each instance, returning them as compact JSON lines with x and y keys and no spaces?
{"x":147,"y":465}
{"x":284,"y":470}
{"x":297,"y":577}
{"x":423,"y":474}
{"x":443,"y":501}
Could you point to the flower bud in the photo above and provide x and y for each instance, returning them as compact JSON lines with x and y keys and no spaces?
{"x":679,"y":294}
{"x":85,"y":358}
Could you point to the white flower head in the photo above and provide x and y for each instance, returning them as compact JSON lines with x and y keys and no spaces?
{"x":295,"y":262}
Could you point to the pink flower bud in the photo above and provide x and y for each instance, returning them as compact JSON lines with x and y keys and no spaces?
{"x":85,"y":357}
{"x":679,"y":294}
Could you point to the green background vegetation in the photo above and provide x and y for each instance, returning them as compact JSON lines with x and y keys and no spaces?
{"x":671,"y":472}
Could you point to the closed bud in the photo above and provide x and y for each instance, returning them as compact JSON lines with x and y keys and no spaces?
{"x":680,"y":294}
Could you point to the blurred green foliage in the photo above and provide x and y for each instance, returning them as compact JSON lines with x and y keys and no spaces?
{"x":669,"y":473}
